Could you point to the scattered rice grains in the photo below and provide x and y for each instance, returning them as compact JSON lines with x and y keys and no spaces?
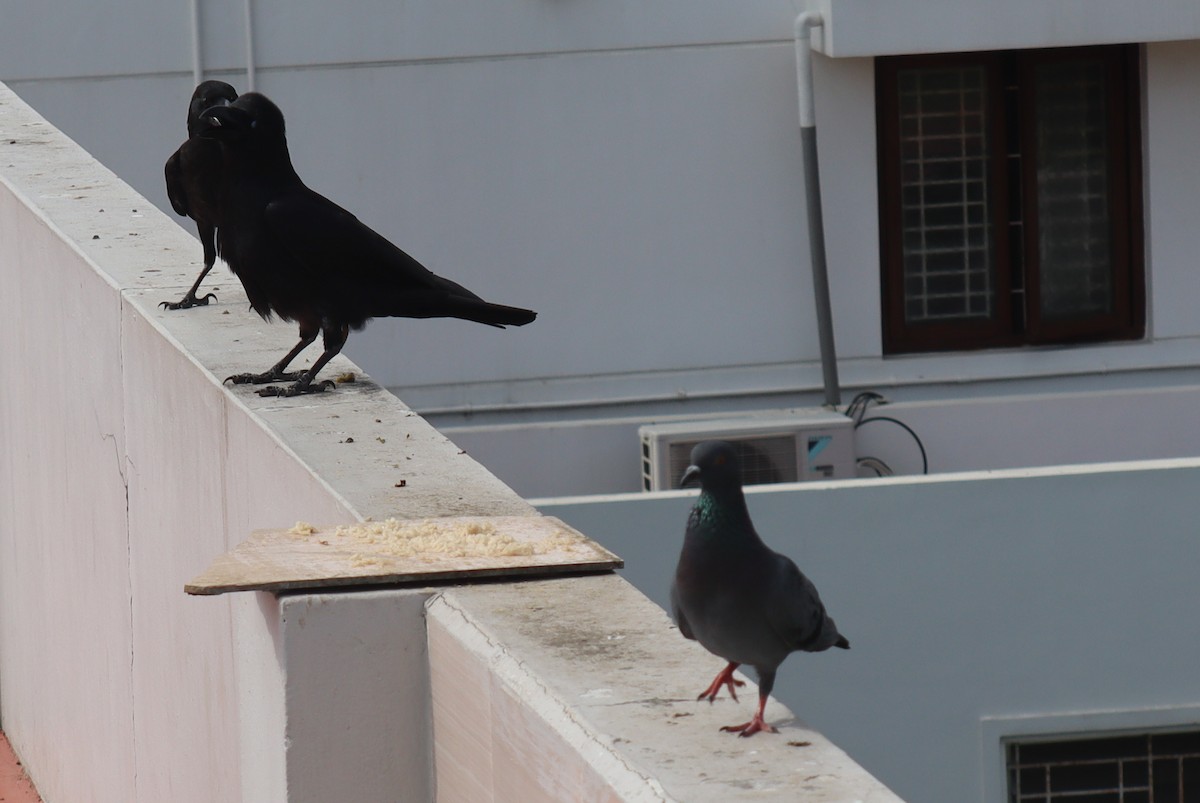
{"x":431,"y":538}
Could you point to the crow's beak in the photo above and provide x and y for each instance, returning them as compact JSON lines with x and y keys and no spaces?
{"x":223,"y":121}
{"x":692,"y":474}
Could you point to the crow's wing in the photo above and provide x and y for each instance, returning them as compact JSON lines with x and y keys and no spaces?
{"x":360,"y":274}
{"x":176,"y":189}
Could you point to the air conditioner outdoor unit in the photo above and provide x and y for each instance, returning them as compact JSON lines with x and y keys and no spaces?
{"x":805,"y":445}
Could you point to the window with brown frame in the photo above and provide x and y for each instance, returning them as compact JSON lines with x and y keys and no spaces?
{"x":1010,"y":198}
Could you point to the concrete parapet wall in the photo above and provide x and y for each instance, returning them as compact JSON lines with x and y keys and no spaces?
{"x":127,"y":466}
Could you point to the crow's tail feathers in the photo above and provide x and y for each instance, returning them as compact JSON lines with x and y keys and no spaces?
{"x":491,"y":314}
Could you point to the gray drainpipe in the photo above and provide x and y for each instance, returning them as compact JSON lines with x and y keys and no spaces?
{"x":812,"y":186}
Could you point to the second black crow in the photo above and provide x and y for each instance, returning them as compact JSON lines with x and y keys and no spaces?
{"x":305,"y":259}
{"x":193,"y":176}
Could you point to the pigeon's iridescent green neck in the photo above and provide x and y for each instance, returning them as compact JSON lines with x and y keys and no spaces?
{"x":715,"y":514}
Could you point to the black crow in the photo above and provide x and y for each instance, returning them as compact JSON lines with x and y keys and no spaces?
{"x":304,"y":258}
{"x":194,"y":179}
{"x":735,"y":595}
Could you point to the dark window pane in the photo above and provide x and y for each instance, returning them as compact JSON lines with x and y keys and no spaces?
{"x":1074,"y":246}
{"x":1166,"y":781}
{"x":1188,"y":742}
{"x":1083,"y":776}
{"x":1084,"y":749}
{"x":1136,"y":773}
{"x":1191,"y":778}
{"x":1033,"y":780}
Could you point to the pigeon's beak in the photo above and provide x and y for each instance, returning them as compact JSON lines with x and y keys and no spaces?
{"x":224,"y":121}
{"x":692,"y":474}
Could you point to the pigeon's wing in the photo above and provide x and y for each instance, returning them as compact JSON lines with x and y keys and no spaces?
{"x":676,"y":611}
{"x":798,"y":614}
{"x":176,"y":188}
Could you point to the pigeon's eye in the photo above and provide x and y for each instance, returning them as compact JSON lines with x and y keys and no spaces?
{"x":720,"y":460}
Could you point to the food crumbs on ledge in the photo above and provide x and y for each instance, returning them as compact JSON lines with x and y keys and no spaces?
{"x":303,"y":528}
{"x":346,"y":378}
{"x":430,"y":538}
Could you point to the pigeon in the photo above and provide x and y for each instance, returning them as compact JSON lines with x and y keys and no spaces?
{"x":740,"y":599}
{"x":193,"y":175}
{"x":306,"y":259}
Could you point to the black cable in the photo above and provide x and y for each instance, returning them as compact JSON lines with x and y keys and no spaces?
{"x":907,"y":428}
{"x":857,"y":407}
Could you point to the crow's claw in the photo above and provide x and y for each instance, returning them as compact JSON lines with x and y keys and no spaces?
{"x":188,"y":301}
{"x":264,"y":378}
{"x":297,"y":389}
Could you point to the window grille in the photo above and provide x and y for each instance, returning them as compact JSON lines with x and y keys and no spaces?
{"x":945,"y":220}
{"x":1144,"y":768}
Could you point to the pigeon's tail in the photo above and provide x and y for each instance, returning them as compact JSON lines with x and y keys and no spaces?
{"x":824,"y":638}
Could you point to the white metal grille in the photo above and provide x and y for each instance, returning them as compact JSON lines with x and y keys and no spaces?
{"x":945,"y":220}
{"x":1146,"y":768}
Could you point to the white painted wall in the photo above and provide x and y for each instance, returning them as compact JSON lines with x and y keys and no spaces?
{"x":978,"y":607}
{"x":125,"y":469}
{"x":631,"y":171}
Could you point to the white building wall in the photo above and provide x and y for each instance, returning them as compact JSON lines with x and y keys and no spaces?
{"x":632,"y":172}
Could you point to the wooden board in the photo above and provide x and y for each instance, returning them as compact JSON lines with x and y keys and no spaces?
{"x":400,"y":552}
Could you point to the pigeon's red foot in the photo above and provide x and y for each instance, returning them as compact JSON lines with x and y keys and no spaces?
{"x":723,"y":678}
{"x":752,"y":727}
